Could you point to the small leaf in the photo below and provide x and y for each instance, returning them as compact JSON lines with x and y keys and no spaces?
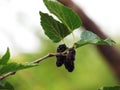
{"x":110,"y":88}
{"x":68,"y":17}
{"x":88,"y":37}
{"x":106,"y":41}
{"x":55,"y":30}
{"x":6,"y":86}
{"x":5,"y":58}
{"x":13,"y":67}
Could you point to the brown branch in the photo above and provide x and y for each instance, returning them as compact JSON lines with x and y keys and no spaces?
{"x":111,"y":54}
{"x":44,"y":57}
{"x":6,"y":75}
{"x":34,"y":62}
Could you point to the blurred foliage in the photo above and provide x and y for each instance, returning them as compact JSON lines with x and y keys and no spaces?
{"x":7,"y":66}
{"x":110,"y":88}
{"x":6,"y":86}
{"x":91,"y":71}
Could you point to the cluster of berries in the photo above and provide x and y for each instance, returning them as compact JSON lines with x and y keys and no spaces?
{"x":67,"y":57}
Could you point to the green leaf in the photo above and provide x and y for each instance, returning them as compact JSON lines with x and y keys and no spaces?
{"x":106,"y":41}
{"x":110,"y":88}
{"x":13,"y":67}
{"x":5,"y":58}
{"x":88,"y":37}
{"x":55,"y":30}
{"x":68,"y":17}
{"x":6,"y":86}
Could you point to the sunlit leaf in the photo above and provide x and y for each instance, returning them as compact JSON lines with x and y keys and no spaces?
{"x":88,"y":37}
{"x":13,"y":67}
{"x":68,"y":17}
{"x":6,"y":86}
{"x":5,"y":57}
{"x":55,"y":30}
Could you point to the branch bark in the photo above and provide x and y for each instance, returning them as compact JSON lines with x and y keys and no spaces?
{"x":34,"y":62}
{"x":6,"y":75}
{"x":110,"y":53}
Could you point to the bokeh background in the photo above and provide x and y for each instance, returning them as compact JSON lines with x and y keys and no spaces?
{"x":20,"y":30}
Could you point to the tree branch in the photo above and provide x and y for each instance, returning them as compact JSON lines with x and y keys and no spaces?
{"x":34,"y":62}
{"x":44,"y":57}
{"x":6,"y":75}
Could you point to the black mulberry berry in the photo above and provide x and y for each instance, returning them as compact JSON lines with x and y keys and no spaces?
{"x":69,"y":61}
{"x":60,"y":59}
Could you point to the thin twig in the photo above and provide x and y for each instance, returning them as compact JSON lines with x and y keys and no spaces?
{"x":34,"y":62}
{"x":6,"y":75}
{"x":44,"y":57}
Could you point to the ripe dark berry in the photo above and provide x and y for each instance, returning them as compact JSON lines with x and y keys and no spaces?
{"x":71,"y":54}
{"x":67,"y":59}
{"x":60,"y":59}
{"x":69,"y":65}
{"x":69,"y":62}
{"x":61,"y":48}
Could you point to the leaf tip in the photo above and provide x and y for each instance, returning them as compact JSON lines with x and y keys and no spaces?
{"x":8,"y":50}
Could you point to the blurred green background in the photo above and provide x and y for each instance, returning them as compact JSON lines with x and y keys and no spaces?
{"x":91,"y":71}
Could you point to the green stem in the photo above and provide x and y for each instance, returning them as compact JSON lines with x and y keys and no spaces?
{"x":73,"y":37}
{"x":63,"y":41}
